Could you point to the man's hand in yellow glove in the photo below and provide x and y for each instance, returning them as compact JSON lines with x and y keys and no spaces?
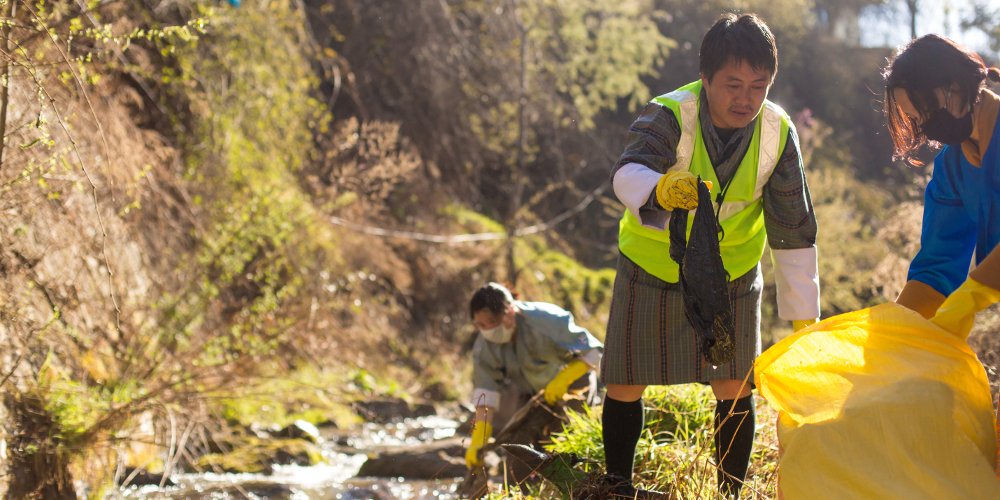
{"x":678,"y":190}
{"x":799,"y":324}
{"x":559,"y":384}
{"x":958,"y":312}
{"x":481,"y":433}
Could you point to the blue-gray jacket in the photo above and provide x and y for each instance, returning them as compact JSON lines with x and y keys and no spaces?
{"x":545,"y":339}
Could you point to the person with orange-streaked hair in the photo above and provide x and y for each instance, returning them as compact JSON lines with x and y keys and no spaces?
{"x":936,"y":93}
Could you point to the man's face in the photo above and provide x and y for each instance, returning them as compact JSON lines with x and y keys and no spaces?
{"x":736,"y":94}
{"x":483,"y":319}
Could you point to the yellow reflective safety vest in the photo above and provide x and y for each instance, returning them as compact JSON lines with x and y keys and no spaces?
{"x":742,"y":214}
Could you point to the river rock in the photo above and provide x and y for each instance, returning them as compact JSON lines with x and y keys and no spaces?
{"x":437,"y":391}
{"x":258,"y":456}
{"x":327,"y":423}
{"x":363,"y":494}
{"x":440,"y":459}
{"x":384,"y":411}
{"x":246,"y":489}
{"x":144,"y":478}
{"x":300,"y":429}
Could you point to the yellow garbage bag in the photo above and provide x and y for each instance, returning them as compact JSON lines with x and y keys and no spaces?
{"x":883,"y":404}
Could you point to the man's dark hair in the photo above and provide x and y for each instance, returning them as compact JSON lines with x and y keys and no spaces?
{"x":738,"y":38}
{"x":493,"y":297}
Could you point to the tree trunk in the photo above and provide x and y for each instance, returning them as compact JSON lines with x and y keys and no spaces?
{"x":518,"y":174}
{"x":5,"y":76}
{"x":912,"y":6}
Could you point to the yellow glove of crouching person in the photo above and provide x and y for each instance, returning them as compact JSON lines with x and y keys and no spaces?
{"x":557,"y":387}
{"x":481,"y":433}
{"x":678,"y":190}
{"x":958,"y":312}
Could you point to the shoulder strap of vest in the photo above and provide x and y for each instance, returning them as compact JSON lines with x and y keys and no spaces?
{"x":686,"y":99}
{"x":770,"y":144}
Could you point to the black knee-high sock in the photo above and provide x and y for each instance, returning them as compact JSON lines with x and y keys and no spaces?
{"x":622,"y":425}
{"x":733,"y":442}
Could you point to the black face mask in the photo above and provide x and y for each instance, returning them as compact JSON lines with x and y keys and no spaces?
{"x":944,"y":128}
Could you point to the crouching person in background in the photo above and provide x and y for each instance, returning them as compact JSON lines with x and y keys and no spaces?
{"x":523,"y":348}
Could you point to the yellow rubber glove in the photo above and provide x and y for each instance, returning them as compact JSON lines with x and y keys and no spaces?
{"x":557,"y":387}
{"x":958,"y":312}
{"x":678,"y":190}
{"x":799,"y":324}
{"x":481,"y":433}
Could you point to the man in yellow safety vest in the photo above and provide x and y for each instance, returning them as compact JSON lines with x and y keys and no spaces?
{"x":722,"y":129}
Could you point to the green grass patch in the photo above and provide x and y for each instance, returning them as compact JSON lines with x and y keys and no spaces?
{"x":471,"y":220}
{"x":675,"y":450}
{"x":318,"y":397}
{"x":311,"y":395}
{"x":551,"y":275}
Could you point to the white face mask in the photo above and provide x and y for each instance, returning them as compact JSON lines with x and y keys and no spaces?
{"x":499,"y":334}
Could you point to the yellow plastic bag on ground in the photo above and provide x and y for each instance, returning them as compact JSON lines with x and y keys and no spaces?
{"x":883,"y":404}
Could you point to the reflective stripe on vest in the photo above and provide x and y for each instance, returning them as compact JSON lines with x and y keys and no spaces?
{"x":770,"y":139}
{"x":687,"y":102}
{"x":742,"y":211}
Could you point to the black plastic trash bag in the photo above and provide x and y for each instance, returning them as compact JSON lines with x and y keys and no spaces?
{"x":703,"y":278}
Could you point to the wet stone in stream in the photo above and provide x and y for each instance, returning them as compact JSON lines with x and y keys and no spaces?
{"x":338,"y":478}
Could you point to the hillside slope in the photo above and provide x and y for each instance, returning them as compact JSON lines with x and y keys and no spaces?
{"x":169,"y":187}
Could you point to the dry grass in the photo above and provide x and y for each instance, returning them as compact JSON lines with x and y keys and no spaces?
{"x":985,"y":341}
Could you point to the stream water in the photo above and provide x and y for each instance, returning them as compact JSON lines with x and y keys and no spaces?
{"x":335,"y":479}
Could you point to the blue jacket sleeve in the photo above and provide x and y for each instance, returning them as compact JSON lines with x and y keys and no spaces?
{"x":559,"y":332}
{"x":487,"y":366}
{"x":948,"y":236}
